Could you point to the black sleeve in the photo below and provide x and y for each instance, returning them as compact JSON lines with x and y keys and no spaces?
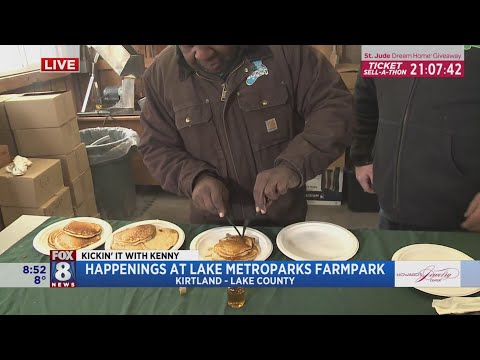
{"x":366,"y":121}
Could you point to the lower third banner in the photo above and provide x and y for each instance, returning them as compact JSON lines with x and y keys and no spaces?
{"x":233,"y":273}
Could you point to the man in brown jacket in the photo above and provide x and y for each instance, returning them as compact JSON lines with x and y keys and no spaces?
{"x":239,"y":129}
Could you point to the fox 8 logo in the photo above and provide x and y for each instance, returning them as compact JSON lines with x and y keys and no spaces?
{"x":62,"y":272}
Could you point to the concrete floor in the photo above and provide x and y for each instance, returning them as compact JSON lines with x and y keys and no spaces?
{"x":153,"y":203}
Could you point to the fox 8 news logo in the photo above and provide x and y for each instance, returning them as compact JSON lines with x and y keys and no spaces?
{"x":62,"y":268}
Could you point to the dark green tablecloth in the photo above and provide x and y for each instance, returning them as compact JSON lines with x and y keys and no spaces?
{"x":374,"y":245}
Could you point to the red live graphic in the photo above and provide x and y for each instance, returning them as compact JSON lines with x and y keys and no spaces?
{"x":60,"y":64}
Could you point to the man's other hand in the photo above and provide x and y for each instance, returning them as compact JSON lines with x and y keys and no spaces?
{"x":364,"y":176}
{"x":271,"y":184}
{"x":472,"y":215}
{"x":210,"y":194}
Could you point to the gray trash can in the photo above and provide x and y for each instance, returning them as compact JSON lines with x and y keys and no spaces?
{"x":109,"y":150}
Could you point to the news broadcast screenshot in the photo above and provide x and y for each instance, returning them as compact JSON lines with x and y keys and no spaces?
{"x":239,"y":179}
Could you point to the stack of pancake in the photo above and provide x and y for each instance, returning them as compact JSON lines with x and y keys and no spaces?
{"x":235,"y":247}
{"x":144,"y":237}
{"x":75,"y":235}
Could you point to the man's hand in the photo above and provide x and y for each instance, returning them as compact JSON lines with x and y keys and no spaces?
{"x":472,"y":221}
{"x":364,"y":176}
{"x":210,"y":194}
{"x":272,"y":183}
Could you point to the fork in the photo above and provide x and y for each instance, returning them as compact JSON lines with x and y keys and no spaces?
{"x":230,"y":221}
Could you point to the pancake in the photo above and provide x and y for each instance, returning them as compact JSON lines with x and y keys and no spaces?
{"x":123,"y":246}
{"x":52,"y":236}
{"x":64,"y":241}
{"x":163,"y":240}
{"x":81,"y":229}
{"x":235,"y":248}
{"x":249,"y":256}
{"x":135,"y":235}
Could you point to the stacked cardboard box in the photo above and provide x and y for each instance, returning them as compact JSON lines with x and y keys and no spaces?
{"x":349,"y":73}
{"x":6,"y":134}
{"x":331,"y":52}
{"x":4,"y":156}
{"x":45,"y":126}
{"x":40,"y":191}
{"x":78,"y":177}
{"x":43,"y":123}
{"x":327,"y":188}
{"x":4,"y":161}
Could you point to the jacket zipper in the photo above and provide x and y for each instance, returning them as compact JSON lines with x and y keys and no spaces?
{"x":223,"y":98}
{"x":224,"y":92}
{"x":396,"y":185}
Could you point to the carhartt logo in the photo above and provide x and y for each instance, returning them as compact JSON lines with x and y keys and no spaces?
{"x":271,"y":125}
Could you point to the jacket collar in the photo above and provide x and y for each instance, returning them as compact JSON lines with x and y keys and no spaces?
{"x":251,"y":52}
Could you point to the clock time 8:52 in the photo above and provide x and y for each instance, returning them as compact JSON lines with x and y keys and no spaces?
{"x":35,"y":269}
{"x":435,"y":69}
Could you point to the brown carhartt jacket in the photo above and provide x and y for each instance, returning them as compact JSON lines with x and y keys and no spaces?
{"x":294,"y":110}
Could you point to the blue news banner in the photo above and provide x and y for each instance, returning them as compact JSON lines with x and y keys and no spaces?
{"x":100,"y":268}
{"x":238,"y":273}
{"x":97,"y":268}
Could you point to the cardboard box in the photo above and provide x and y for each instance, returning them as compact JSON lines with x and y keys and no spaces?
{"x":4,"y":156}
{"x":40,"y":110}
{"x":4,"y":123}
{"x":48,"y":141}
{"x":42,"y":180}
{"x":327,"y":188}
{"x":74,"y":163}
{"x":349,"y":73}
{"x":2,"y":225}
{"x":81,"y":188}
{"x":58,"y":205}
{"x":340,"y":162}
{"x":6,"y":138}
{"x":87,"y":208}
{"x":332,"y":52}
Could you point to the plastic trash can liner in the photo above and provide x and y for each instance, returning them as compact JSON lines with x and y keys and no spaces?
{"x":108,"y":143}
{"x":109,"y":150}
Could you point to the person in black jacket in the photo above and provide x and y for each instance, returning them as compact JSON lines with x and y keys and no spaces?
{"x":417,"y":145}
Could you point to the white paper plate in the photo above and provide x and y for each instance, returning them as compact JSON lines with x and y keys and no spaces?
{"x":40,"y":242}
{"x":158,"y":224}
{"x":315,"y":240}
{"x":426,"y":252}
{"x":206,"y":240}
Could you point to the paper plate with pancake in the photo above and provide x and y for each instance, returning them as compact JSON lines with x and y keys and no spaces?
{"x":84,"y":233}
{"x":147,"y":235}
{"x":223,"y":243}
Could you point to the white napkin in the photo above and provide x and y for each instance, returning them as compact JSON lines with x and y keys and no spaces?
{"x":19,"y":166}
{"x":457,"y":305}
